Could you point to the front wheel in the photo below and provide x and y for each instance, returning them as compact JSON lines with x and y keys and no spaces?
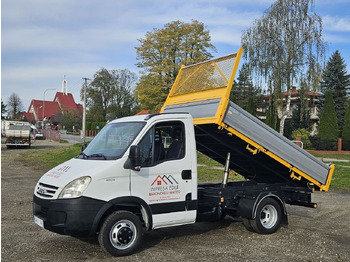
{"x":268,"y":217}
{"x":121,"y":233}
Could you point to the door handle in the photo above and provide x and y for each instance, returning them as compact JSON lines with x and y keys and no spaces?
{"x":186,"y":174}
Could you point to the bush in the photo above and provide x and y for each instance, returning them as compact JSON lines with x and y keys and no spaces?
{"x":88,"y":126}
{"x":304,"y":135}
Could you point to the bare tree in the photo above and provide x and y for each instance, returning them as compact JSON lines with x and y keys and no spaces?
{"x":15,"y":106}
{"x":285,"y":46}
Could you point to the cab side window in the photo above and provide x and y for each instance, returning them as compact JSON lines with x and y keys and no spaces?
{"x":164,"y":141}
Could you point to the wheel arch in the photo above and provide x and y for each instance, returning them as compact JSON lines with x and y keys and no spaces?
{"x":278,"y":200}
{"x":132,"y":204}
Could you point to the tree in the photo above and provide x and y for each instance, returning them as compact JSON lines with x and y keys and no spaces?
{"x":346,"y":129}
{"x":243,"y":89}
{"x":272,"y":114}
{"x":251,"y":107}
{"x":71,"y":118}
{"x":3,"y":110}
{"x":336,"y":79}
{"x":300,"y":118}
{"x":286,"y":45}
{"x":110,"y":94}
{"x":328,"y":129}
{"x":161,"y":54}
{"x":301,"y":114}
{"x":15,"y":106}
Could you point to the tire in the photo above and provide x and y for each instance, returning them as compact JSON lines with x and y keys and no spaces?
{"x":248,"y":226}
{"x":121,"y":233}
{"x":268,"y":217}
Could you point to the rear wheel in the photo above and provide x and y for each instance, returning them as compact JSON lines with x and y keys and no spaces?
{"x":246,"y":223}
{"x":268,"y":217}
{"x":121,"y":233}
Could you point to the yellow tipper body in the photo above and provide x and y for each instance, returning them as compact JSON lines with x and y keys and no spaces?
{"x":258,"y":152}
{"x":206,"y":81}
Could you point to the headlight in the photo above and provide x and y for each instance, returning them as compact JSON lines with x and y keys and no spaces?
{"x":75,"y":188}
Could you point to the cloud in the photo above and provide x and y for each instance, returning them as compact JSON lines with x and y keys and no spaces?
{"x":335,"y":23}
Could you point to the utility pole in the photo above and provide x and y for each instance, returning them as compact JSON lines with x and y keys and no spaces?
{"x":84,"y":110}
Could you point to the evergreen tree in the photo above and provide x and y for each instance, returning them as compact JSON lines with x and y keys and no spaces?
{"x":251,"y":107}
{"x":301,"y":114}
{"x":336,"y":79}
{"x":235,"y":93}
{"x":328,"y":130}
{"x":346,"y":130}
{"x":243,"y":90}
{"x":271,"y":113}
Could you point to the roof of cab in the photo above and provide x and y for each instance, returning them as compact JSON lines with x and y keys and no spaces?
{"x":142,"y":118}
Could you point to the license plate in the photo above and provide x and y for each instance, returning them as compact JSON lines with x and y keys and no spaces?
{"x":39,"y":221}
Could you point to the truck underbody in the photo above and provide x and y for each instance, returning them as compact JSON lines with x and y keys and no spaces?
{"x":12,"y":142}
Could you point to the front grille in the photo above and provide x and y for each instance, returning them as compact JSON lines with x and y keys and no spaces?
{"x":45,"y":190}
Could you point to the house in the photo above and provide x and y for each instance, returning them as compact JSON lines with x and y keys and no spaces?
{"x":41,"y":111}
{"x":312,"y":98}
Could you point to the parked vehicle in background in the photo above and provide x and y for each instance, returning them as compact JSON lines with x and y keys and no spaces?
{"x":39,"y":136}
{"x":38,"y":133}
{"x":18,"y":134}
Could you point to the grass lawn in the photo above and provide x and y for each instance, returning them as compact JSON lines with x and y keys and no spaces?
{"x":208,"y":169}
{"x":47,"y":158}
{"x":341,"y":176}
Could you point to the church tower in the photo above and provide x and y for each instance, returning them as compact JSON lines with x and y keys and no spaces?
{"x":65,"y":86}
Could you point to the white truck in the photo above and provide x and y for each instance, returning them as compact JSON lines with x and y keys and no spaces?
{"x":18,"y":134}
{"x":130,"y":179}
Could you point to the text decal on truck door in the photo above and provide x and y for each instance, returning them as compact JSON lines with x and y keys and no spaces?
{"x":164,"y":188}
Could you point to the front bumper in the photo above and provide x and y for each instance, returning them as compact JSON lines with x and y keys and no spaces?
{"x":74,"y":217}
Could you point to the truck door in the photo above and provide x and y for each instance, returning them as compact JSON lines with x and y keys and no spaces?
{"x":165,"y":178}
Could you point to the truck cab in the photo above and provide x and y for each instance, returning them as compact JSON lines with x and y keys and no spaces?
{"x":144,"y":165}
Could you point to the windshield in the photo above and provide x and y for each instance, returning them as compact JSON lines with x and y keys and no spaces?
{"x":112,"y":142}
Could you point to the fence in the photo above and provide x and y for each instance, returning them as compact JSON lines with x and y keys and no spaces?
{"x":51,"y":134}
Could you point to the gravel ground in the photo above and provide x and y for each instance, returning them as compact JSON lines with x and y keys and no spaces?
{"x":321,"y":234}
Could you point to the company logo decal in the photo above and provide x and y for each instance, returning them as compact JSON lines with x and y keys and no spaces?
{"x":56,"y":173}
{"x":164,"y":188}
{"x":63,"y":169}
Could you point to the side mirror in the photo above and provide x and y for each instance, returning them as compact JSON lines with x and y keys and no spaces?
{"x":83,"y":147}
{"x":135,"y":158}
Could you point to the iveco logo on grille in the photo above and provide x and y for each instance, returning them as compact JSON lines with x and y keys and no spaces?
{"x":41,"y":190}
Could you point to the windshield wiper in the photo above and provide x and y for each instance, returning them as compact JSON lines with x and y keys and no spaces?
{"x":85,"y":156}
{"x":97,"y":155}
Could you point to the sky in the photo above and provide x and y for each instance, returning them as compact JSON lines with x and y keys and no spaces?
{"x":43,"y":42}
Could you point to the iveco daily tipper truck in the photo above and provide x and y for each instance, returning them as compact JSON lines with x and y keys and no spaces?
{"x":140,"y":172}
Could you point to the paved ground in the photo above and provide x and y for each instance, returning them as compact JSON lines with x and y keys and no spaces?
{"x":321,"y":234}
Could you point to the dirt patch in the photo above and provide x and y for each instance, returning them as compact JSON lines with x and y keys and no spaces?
{"x":321,"y":234}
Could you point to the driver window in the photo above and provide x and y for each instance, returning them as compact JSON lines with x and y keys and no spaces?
{"x":164,"y":141}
